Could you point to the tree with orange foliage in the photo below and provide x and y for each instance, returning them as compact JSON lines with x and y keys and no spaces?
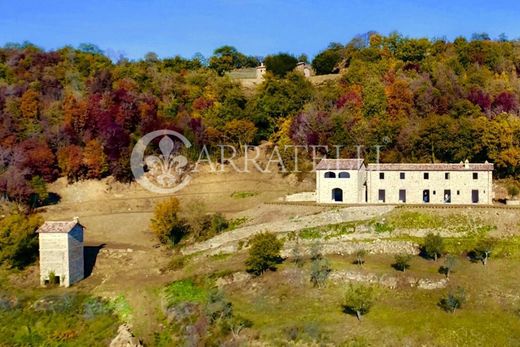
{"x":29,"y":105}
{"x":74,"y":114}
{"x":239,"y":132}
{"x":94,"y":159}
{"x":70,"y":162}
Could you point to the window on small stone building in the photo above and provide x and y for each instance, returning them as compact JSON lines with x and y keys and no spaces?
{"x":402,"y":175}
{"x":381,"y":175}
{"x":475,"y":175}
{"x":426,"y":175}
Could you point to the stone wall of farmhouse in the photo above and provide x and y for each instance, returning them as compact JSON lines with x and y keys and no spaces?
{"x":459,"y":186}
{"x":62,"y":253}
{"x":75,"y":248}
{"x":53,"y":255}
{"x":353,"y":189}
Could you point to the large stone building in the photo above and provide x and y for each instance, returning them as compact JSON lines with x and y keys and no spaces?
{"x":61,"y":251}
{"x":349,"y":181}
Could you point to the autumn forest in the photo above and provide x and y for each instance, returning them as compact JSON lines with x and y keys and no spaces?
{"x":74,"y":112}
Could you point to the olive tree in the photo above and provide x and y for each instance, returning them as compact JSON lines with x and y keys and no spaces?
{"x":433,"y":246}
{"x":264,"y":253}
{"x":359,"y":299}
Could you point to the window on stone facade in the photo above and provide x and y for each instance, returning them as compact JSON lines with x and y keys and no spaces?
{"x":381,"y":175}
{"x":402,"y":175}
{"x":330,"y":174}
{"x":344,"y":175}
{"x":447,"y":175}
{"x":475,"y":175}
{"x":426,"y":175}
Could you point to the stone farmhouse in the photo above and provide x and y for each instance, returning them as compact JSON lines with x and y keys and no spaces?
{"x":349,"y":181}
{"x":61,"y":252}
{"x":302,"y":67}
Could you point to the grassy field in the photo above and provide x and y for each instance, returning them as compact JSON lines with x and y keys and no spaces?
{"x":55,"y":317}
{"x":283,"y":306}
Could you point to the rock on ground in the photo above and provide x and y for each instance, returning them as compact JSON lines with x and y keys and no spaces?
{"x":125,"y":338}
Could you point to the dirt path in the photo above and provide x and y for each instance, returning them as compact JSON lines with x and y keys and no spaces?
{"x":229,"y":239}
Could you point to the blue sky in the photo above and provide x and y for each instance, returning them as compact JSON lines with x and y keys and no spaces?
{"x":135,"y":27}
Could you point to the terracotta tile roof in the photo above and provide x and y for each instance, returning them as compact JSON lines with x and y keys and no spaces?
{"x":57,"y":226}
{"x":431,"y":167}
{"x":339,"y":164}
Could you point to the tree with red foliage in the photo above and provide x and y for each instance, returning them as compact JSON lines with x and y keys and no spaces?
{"x":505,"y":102}
{"x":38,"y":159}
{"x":480,"y":98}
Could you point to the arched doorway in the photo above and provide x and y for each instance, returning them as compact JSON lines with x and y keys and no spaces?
{"x":337,"y":194}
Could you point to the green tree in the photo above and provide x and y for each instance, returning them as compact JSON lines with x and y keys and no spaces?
{"x":359,"y":299}
{"x":483,"y":250}
{"x":278,"y":98}
{"x":450,"y":263}
{"x":326,"y":61}
{"x":453,"y":300}
{"x":227,"y":58}
{"x":320,"y":270}
{"x":264,"y":253}
{"x":360,"y":257}
{"x":280,"y":64}
{"x":18,"y":240}
{"x":40,"y":194}
{"x":433,"y":246}
{"x":402,"y":262}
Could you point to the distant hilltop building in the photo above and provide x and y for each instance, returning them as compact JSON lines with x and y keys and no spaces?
{"x":260,"y":71}
{"x":61,"y":252}
{"x":302,"y":67}
{"x":305,"y":69}
{"x":349,"y":181}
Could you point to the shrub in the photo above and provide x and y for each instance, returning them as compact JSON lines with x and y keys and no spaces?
{"x":449,"y":265}
{"x":53,"y":279}
{"x":433,"y":246}
{"x":359,"y":299}
{"x":93,"y":307}
{"x":184,"y":291}
{"x":360,"y":256}
{"x":18,"y":241}
{"x":483,"y":250}
{"x":453,"y":300}
{"x":296,"y":254}
{"x":219,"y":223}
{"x":513,"y":190}
{"x":177,"y":262}
{"x":320,"y":270}
{"x":264,"y":253}
{"x":402,"y":262}
{"x":315,"y":251}
{"x":166,"y":224}
{"x":202,"y":225}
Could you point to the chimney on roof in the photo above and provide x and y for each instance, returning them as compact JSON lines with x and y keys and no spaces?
{"x":76,"y":219}
{"x":466,"y":164}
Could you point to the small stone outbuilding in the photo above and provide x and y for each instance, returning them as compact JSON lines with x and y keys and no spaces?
{"x":61,"y":252}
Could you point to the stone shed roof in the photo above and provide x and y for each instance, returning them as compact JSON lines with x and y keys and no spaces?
{"x":431,"y":167}
{"x":58,"y":226}
{"x":340,"y":164}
